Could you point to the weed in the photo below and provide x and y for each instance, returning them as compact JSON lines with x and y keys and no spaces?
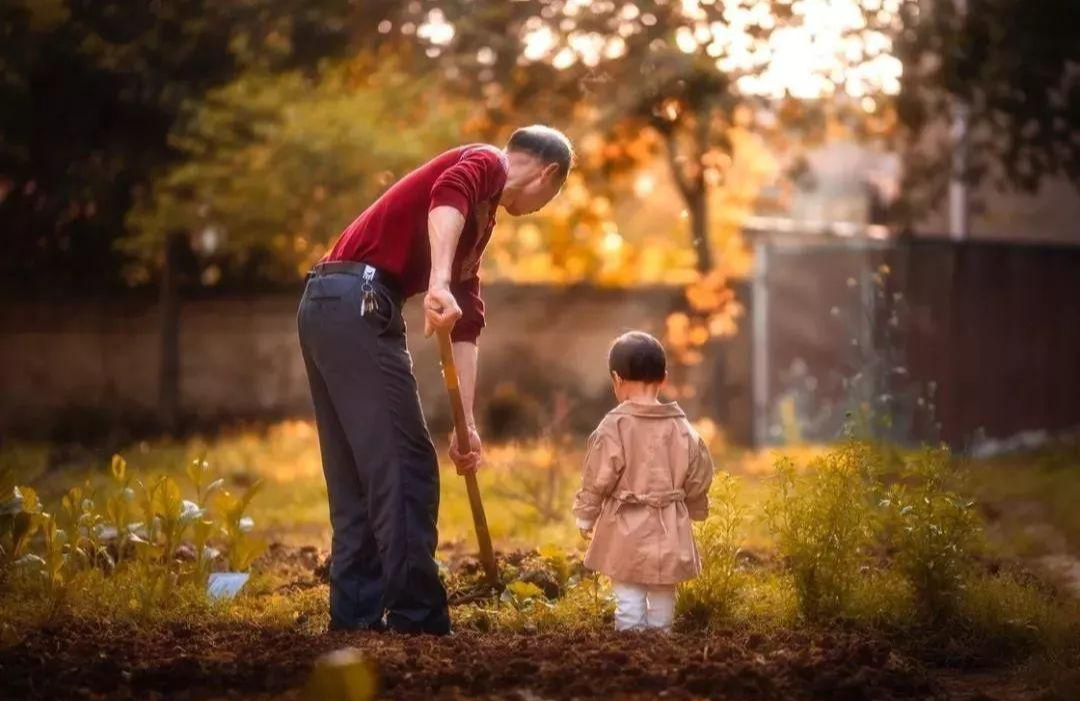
{"x":932,"y":531}
{"x":823,"y":522}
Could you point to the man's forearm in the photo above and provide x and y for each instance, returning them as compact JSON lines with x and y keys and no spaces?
{"x":466,"y":355}
{"x":444,"y":229}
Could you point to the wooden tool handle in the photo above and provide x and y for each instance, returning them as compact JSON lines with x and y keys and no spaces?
{"x":450,"y":377}
{"x":461,"y":428}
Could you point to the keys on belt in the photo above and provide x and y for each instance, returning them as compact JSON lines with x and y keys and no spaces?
{"x":369,"y":273}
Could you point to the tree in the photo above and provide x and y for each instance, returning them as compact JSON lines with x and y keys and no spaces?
{"x":278,"y":164}
{"x":1016,"y":66}
{"x":681,"y":79}
{"x":89,"y":90}
{"x":689,"y":72}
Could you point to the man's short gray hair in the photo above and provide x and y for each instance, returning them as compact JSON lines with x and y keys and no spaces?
{"x":548,"y":144}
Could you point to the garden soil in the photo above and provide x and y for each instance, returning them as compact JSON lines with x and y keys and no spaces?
{"x":236,"y":660}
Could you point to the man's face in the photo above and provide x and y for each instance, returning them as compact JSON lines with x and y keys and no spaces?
{"x":538,"y":190}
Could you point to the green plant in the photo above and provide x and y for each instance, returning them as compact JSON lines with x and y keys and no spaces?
{"x":823,"y":521}
{"x":710,"y":598}
{"x":523,"y":595}
{"x":86,"y":528}
{"x":129,"y":540}
{"x":55,"y":557}
{"x":19,"y":519}
{"x":243,"y":547}
{"x":557,"y":561}
{"x":932,"y":530}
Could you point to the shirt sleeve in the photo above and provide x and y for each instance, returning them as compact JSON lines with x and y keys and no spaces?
{"x":698,"y":479}
{"x":602,"y":469}
{"x":467,"y":294}
{"x":476,"y":177}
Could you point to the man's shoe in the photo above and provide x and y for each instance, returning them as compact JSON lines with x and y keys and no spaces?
{"x":378,"y":626}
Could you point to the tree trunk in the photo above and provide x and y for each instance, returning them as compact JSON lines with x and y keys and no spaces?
{"x":169,"y":308}
{"x":695,"y":194}
{"x":698,"y":205}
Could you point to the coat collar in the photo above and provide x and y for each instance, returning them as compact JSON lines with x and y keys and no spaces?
{"x":655,"y":411}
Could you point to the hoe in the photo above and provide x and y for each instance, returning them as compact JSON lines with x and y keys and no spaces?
{"x":450,"y":376}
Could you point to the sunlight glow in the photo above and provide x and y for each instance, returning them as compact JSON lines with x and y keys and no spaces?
{"x":826,"y":49}
{"x":436,"y":29}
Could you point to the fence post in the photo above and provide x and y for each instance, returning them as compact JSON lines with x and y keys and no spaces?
{"x":759,"y":342}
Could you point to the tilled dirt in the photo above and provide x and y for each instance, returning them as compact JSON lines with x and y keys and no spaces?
{"x":87,"y":661}
{"x":235,"y":660}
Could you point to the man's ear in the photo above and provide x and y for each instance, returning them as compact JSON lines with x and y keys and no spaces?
{"x":550,"y":172}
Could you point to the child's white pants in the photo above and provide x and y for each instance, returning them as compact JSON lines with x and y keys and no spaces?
{"x":643,"y":606}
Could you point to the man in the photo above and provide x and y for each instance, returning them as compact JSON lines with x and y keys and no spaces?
{"x":425,"y":234}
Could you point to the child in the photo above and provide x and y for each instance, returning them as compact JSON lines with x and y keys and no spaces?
{"x":646,"y":476}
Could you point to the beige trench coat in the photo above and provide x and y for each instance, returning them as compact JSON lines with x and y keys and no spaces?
{"x":646,"y":476}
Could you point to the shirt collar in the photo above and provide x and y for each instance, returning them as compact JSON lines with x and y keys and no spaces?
{"x":666,"y":410}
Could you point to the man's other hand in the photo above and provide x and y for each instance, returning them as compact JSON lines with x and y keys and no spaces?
{"x":468,"y":462}
{"x":441,"y":310}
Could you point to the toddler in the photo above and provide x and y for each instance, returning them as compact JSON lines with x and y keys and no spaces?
{"x":646,"y":477}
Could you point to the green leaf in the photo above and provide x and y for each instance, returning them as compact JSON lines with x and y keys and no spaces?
{"x":253,"y":490}
{"x":197,"y":470}
{"x":245,"y":551}
{"x":168,"y":502}
{"x":13,"y":504}
{"x":523,"y":591}
{"x":23,"y":527}
{"x":118,"y":467}
{"x":30,"y":560}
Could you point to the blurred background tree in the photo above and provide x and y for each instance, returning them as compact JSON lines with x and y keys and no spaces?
{"x":274,"y":165}
{"x":90,"y":90}
{"x":1015,"y":65}
{"x":229,"y":143}
{"x":103,"y":108}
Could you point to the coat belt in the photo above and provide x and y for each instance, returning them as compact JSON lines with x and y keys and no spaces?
{"x":655,"y":500}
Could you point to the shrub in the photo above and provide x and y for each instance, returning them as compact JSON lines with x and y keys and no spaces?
{"x":932,"y":530}
{"x":823,"y":521}
{"x":710,"y":599}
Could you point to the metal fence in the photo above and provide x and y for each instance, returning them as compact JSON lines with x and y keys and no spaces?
{"x":919,"y":339}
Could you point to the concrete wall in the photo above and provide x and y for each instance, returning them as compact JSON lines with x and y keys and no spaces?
{"x":240,"y":357}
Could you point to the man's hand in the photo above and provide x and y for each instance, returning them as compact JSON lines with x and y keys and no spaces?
{"x":441,"y":310}
{"x":468,"y":462}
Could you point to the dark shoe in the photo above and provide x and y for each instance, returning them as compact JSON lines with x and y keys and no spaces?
{"x":404,"y":627}
{"x":376,"y":627}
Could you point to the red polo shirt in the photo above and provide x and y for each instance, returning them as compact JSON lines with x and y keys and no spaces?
{"x":392,"y":233}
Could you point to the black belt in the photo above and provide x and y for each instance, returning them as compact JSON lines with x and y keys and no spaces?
{"x":361,"y":270}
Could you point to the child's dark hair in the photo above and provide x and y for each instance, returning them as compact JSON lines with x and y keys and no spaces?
{"x":638,"y":357}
